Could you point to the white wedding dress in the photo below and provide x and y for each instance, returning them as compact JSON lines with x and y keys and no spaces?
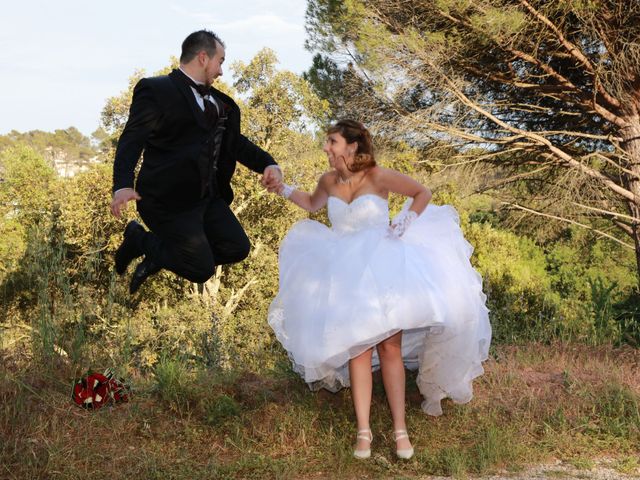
{"x":346,"y":288}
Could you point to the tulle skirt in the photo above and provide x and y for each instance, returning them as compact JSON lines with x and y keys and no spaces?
{"x":342,"y":293}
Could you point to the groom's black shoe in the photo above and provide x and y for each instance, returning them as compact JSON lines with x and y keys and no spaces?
{"x":129,"y":248}
{"x":145,"y":269}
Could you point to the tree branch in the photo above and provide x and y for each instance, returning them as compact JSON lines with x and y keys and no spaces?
{"x":606,"y":212}
{"x":612,"y":163}
{"x":235,"y":297}
{"x":574,"y":51}
{"x":573,"y":222}
{"x":511,"y":179}
{"x":535,"y":138}
{"x":624,"y":227}
{"x":585,"y":100}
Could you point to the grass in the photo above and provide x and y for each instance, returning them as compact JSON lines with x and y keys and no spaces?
{"x":535,"y":403}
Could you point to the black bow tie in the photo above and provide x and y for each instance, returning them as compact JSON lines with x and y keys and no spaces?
{"x":210,"y":107}
{"x":202,"y":89}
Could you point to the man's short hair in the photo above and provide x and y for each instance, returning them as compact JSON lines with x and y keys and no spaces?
{"x":197,"y":41}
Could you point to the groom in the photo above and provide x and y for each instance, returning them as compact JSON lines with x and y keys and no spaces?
{"x":190,"y":135}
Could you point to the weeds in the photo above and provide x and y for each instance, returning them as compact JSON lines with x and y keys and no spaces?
{"x":185,"y":421}
{"x":220,"y":409}
{"x":173,"y":383}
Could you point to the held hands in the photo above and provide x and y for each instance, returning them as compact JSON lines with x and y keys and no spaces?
{"x":120,"y":199}
{"x":272,"y":179}
{"x":285,"y":190}
{"x":400,"y":223}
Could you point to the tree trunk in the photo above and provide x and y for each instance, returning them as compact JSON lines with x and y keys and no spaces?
{"x":631,"y":145}
{"x":636,"y":239}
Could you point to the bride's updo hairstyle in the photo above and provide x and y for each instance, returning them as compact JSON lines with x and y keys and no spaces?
{"x":353,"y":131}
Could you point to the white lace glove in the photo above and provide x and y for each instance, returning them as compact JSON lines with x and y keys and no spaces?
{"x":286,"y":190}
{"x":401,"y":222}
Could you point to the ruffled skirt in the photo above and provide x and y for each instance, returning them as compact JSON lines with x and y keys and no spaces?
{"x":342,"y":293}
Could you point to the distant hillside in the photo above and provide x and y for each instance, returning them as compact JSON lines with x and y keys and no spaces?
{"x":68,"y":151}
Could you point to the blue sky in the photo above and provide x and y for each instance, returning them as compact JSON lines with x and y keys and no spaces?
{"x":60,"y":61}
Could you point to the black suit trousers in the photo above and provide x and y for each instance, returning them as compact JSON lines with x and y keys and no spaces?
{"x":193,"y":241}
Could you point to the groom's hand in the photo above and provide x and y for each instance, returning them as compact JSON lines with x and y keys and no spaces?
{"x":120,"y":199}
{"x":272,"y":178}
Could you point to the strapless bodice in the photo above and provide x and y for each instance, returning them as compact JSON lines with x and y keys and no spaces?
{"x":365,"y":211}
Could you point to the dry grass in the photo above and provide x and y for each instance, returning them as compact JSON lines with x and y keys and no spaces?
{"x":534,"y":404}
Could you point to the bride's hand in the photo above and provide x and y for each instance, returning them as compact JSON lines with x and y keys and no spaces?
{"x":401,"y":222}
{"x":285,"y":190}
{"x":272,"y":178}
{"x":275,"y":187}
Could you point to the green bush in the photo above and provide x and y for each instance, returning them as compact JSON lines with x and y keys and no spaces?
{"x":173,"y":383}
{"x":220,"y":409}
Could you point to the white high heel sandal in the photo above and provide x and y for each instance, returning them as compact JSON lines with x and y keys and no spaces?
{"x":403,"y":453}
{"x":364,"y":434}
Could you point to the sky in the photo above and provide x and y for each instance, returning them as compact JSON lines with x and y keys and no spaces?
{"x":60,"y":61}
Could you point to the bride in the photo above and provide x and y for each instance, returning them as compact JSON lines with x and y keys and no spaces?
{"x":365,"y":294}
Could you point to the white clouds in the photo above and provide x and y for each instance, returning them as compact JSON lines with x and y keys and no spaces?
{"x":245,"y":37}
{"x":77,"y":54}
{"x":241,"y":32}
{"x":278,"y":25}
{"x":204,"y":18}
{"x":271,"y":24}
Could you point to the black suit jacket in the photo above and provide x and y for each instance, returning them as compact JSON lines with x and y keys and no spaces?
{"x":166,"y":122}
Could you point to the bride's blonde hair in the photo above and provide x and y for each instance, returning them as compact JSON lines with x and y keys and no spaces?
{"x":353,"y":131}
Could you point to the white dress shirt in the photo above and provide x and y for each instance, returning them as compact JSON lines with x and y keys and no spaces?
{"x":199,"y":98}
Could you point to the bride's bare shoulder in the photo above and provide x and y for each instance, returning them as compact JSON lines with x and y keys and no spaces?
{"x":328,"y":177}
{"x":377,"y":172}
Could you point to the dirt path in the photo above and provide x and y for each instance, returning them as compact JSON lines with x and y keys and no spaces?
{"x":602,"y":470}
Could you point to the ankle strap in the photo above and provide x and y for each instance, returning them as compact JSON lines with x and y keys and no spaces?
{"x":399,"y":434}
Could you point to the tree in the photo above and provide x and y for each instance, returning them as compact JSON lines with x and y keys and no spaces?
{"x":69,"y":145}
{"x":549,"y":90}
{"x":327,"y":79}
{"x":26,"y":182}
{"x":278,"y":105}
{"x":26,"y":186}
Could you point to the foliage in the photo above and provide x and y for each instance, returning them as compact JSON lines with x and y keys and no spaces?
{"x":195,"y":349}
{"x":278,"y":105}
{"x":69,"y":144}
{"x":82,"y":302}
{"x":58,"y":283}
{"x":26,"y":184}
{"x":548,"y":91}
